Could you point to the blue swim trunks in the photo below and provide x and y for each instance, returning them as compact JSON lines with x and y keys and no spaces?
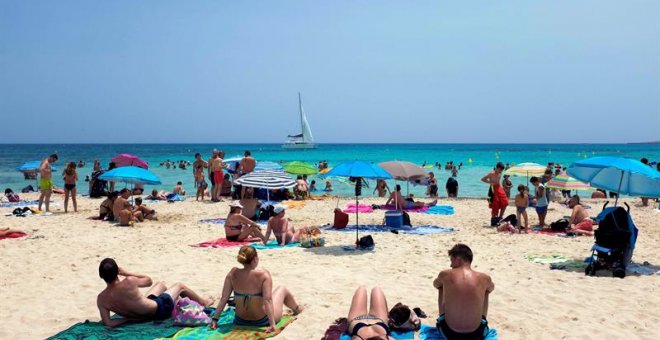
{"x":541,"y":210}
{"x":165,"y":306}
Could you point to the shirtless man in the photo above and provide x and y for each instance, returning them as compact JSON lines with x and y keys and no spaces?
{"x":210,"y":171}
{"x":498,"y":198}
{"x":126,"y":217}
{"x":401,"y":203}
{"x":46,"y":181}
{"x":246,"y":166}
{"x":124,"y":298}
{"x":147,"y":213}
{"x":216,"y":169}
{"x":118,"y":205}
{"x":462,"y":297}
{"x":580,"y":221}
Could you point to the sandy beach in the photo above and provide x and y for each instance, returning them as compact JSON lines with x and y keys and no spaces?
{"x":49,"y":279}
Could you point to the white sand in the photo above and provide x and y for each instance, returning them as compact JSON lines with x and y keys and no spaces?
{"x":49,"y":280}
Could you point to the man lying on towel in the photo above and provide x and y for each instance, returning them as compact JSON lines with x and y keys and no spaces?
{"x":463,"y":297}
{"x":124,"y":298}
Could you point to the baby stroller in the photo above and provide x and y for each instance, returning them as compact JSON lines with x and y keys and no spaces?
{"x":615,"y":241}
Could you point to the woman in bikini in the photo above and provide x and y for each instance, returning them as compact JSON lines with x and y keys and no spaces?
{"x":368,"y":324}
{"x":257,"y":303}
{"x":70,"y":178}
{"x":239,"y":227}
{"x":279,"y":225}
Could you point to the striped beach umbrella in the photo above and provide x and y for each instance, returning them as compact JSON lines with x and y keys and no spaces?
{"x":266,"y":179}
{"x":300,"y":168}
{"x":526,"y":170}
{"x":566,"y":182}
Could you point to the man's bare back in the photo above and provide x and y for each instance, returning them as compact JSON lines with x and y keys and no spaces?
{"x":247,"y":164}
{"x":465,"y":298}
{"x":125,"y":299}
{"x":45,"y":169}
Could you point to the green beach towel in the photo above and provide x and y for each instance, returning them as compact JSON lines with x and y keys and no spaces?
{"x":136,"y":331}
{"x":228,"y":331}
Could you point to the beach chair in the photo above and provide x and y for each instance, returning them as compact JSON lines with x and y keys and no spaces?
{"x":615,"y":241}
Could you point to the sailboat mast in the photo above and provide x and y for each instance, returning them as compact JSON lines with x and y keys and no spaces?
{"x":302,"y":125}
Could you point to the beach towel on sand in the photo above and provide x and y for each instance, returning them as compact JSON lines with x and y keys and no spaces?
{"x":395,"y":335}
{"x":223,"y":243}
{"x":361,"y":208}
{"x":19,"y":204}
{"x":412,"y":210}
{"x":440,"y":210}
{"x":12,"y":235}
{"x":273,"y":245}
{"x":379,"y":228}
{"x":227,"y":330}
{"x":137,"y":331}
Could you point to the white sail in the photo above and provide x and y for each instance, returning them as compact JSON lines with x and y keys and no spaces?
{"x":306,"y":131}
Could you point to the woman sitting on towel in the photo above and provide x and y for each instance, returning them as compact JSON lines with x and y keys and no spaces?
{"x":238,"y":227}
{"x":369,"y":323}
{"x":257,"y":303}
{"x":279,"y":225}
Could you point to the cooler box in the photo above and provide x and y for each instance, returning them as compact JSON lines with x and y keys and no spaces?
{"x":393,"y":219}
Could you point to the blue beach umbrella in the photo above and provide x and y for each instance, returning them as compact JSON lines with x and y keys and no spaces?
{"x":131,"y":174}
{"x":358,"y":170}
{"x":32,"y":166}
{"x":621,"y":175}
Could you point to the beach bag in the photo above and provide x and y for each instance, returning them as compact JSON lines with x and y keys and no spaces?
{"x":402,"y":318}
{"x":406,"y":218}
{"x":189,"y":313}
{"x":13,"y":198}
{"x":366,"y":242}
{"x":341,"y":219}
{"x":311,"y":237}
{"x":511,"y":219}
{"x":559,"y":225}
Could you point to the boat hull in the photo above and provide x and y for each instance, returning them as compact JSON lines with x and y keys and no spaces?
{"x":298,"y":146}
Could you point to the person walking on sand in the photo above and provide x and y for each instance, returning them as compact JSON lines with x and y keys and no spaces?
{"x":541,"y":200}
{"x":70,"y":178}
{"x":497,"y":197}
{"x":46,"y":181}
{"x":123,"y":297}
{"x":462,"y":297}
{"x":257,"y":303}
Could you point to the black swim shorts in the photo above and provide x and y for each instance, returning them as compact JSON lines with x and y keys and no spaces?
{"x":478,"y":334}
{"x":165,"y":306}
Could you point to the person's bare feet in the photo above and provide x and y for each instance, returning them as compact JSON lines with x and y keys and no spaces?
{"x":300,"y":308}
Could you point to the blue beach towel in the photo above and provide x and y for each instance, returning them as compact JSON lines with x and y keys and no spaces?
{"x":431,"y":333}
{"x":379,"y":228}
{"x":395,"y":335}
{"x":273,"y":245}
{"x":440,"y":210}
{"x":213,"y":220}
{"x":19,"y":204}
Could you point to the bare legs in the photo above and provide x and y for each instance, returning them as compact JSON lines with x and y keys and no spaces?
{"x":377,"y":307}
{"x":179,"y":289}
{"x":44,"y":197}
{"x":69,"y":193}
{"x":283,"y":297}
{"x":251,"y":231}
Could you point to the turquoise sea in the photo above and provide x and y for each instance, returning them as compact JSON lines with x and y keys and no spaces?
{"x":483,"y":156}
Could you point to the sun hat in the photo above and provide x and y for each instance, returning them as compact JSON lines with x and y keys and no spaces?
{"x":235,"y":204}
{"x":278,"y":209}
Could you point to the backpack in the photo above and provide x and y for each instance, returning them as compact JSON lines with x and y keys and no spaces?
{"x":512,"y":219}
{"x":366,"y":242}
{"x":406,"y":218}
{"x":559,"y":225}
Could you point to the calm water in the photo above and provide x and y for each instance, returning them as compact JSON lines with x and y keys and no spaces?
{"x":483,"y":156}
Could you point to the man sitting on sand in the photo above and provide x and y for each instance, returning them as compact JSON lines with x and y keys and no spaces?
{"x":401,"y":203}
{"x":580,"y":221}
{"x":124,"y":298}
{"x":462,"y":297}
{"x":127,"y":217}
{"x":118,"y":204}
{"x":147,"y":213}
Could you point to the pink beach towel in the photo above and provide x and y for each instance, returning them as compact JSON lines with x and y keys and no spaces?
{"x":412,"y":210}
{"x":362,"y":208}
{"x":223,"y":243}
{"x":13,"y":235}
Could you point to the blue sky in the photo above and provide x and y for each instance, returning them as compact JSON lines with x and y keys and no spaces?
{"x":369,"y":71}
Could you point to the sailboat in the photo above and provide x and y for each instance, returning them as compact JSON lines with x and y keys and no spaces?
{"x":303,"y":140}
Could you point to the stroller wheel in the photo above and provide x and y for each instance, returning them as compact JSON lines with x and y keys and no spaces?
{"x":590,"y":270}
{"x":619,"y":272}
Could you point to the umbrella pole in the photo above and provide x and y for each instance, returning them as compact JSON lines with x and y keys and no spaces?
{"x":357,"y":223}
{"x":618,"y":190}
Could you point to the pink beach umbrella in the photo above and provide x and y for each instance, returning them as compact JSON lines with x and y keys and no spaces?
{"x":125,"y":159}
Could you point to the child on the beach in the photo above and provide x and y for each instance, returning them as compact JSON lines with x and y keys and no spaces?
{"x":312,"y":186}
{"x":147,"y":212}
{"x":522,"y":200}
{"x":126,"y":217}
{"x":328,"y":186}
{"x":178,"y":189}
{"x":200,"y":182}
{"x":70,"y":178}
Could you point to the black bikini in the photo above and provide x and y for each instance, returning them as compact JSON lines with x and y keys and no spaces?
{"x":234,"y":238}
{"x":360,"y":325}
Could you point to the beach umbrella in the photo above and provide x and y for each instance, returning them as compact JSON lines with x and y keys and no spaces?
{"x":621,"y":175}
{"x":266,"y":179}
{"x":130,"y":174}
{"x":566,"y":182}
{"x":300,"y":168}
{"x":33,"y":166}
{"x":526,"y":169}
{"x":232,"y":163}
{"x":267,"y":165}
{"x":124,"y":159}
{"x":404,"y":171}
{"x":325,"y":171}
{"x":358,"y":170}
